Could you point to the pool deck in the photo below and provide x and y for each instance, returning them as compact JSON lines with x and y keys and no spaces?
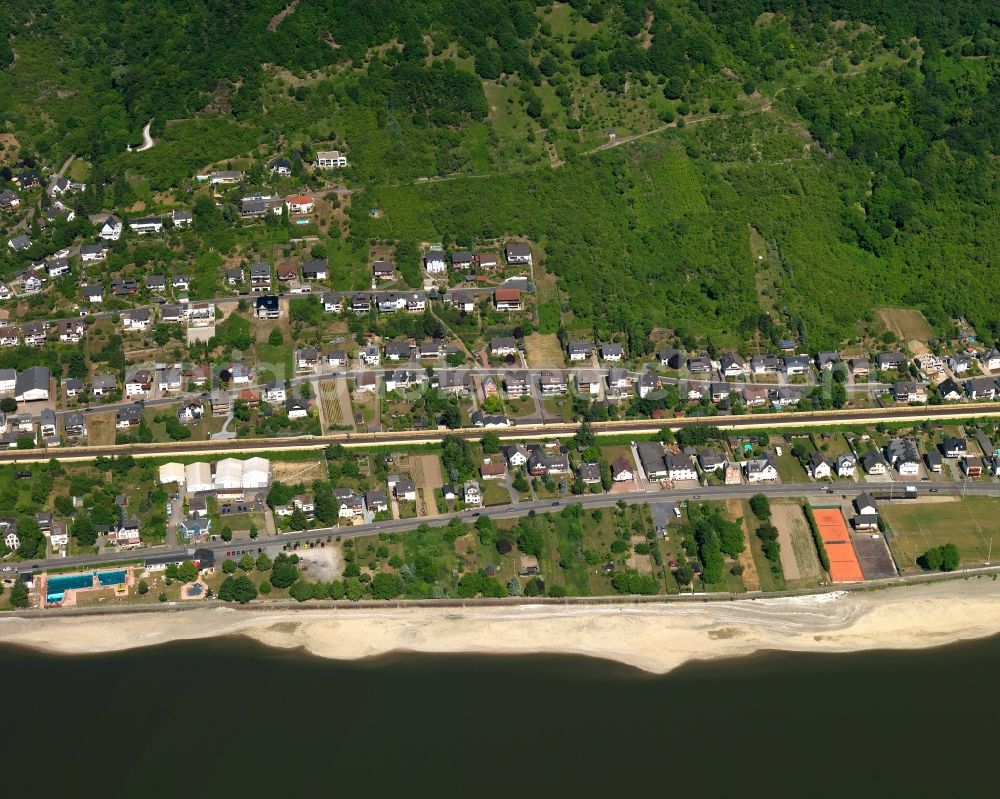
{"x":70,"y":594}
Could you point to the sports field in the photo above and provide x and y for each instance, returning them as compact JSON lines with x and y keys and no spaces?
{"x":917,"y":526}
{"x":844,"y":566}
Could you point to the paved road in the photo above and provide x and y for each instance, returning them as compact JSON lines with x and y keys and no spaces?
{"x":796,"y":490}
{"x":769,"y":421}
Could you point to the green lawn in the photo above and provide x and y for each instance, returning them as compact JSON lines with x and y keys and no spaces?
{"x":789,"y":468}
{"x":495,"y":493}
{"x":969,"y":524}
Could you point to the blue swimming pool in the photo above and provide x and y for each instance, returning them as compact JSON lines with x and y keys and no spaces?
{"x":59,"y":584}
{"x":65,"y":582}
{"x":116,"y":577}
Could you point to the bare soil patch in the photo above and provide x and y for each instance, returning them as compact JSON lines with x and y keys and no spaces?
{"x":907,"y":323}
{"x":298,"y":471}
{"x":641,"y":563}
{"x":9,"y":148}
{"x":426,"y":471}
{"x":277,"y":18}
{"x":322,"y":563}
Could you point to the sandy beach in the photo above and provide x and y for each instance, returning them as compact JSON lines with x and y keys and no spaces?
{"x":655,"y":638}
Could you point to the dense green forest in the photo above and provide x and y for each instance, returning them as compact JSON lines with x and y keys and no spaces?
{"x":819,"y":159}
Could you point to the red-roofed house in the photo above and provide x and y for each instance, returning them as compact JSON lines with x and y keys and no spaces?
{"x":299,"y":204}
{"x":507,"y":299}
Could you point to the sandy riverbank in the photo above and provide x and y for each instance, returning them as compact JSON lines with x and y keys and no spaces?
{"x":655,"y":638}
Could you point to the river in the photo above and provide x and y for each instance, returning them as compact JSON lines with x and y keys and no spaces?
{"x":227,"y":717}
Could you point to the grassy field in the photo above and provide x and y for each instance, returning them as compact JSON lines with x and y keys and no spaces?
{"x":101,"y":429}
{"x":789,"y":468}
{"x":543,"y":350}
{"x":969,"y":524}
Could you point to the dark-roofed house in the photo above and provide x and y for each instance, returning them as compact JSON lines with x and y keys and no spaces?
{"x":893,"y":359}
{"x":652,"y":461}
{"x":517,"y":253}
{"x":128,"y":416}
{"x":590,"y":473}
{"x":32,"y":384}
{"x":819,"y":465}
{"x":267,"y":306}
{"x":934,"y":461}
{"x":827,"y":360}
{"x":397,"y":351}
{"x":75,"y":424}
{"x":952,"y":447}
{"x":580,"y":350}
{"x":846,"y":464}
{"x":502,"y":346}
{"x":903,"y":455}
{"x":730,"y":365}
{"x":92,"y":252}
{"x":612,"y":351}
{"x":315,"y":270}
{"x":981,"y":388}
{"x":280,"y":166}
{"x":711,"y":460}
{"x":622,"y":470}
{"x":949,"y":390}
{"x":383,"y":270}
{"x":873,"y":463}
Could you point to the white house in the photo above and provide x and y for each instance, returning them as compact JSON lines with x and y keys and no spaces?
{"x":846,"y":465}
{"x":473,"y":494}
{"x":92,"y":252}
{"x":296,"y":409}
{"x":434,"y":262}
{"x":8,"y":529}
{"x":622,"y":471}
{"x":990,"y":360}
{"x":274,"y":392}
{"x":330,"y":159}
{"x":680,"y":467}
{"x":819,"y":466}
{"x":761,"y":470}
{"x":111,"y":230}
{"x":518,"y":253}
{"x":146,"y":224}
{"x":138,"y":319}
{"x":8,"y":381}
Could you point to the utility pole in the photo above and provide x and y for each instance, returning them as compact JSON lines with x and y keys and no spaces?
{"x":989,"y":554}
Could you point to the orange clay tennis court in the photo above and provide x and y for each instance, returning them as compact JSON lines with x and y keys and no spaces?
{"x":844,"y":566}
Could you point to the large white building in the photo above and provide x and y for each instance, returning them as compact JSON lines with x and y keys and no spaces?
{"x":228,"y":475}
{"x":198,"y":477}
{"x":256,"y":473}
{"x":172,"y":473}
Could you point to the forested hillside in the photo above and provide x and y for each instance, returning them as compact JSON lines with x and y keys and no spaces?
{"x":854,"y":143}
